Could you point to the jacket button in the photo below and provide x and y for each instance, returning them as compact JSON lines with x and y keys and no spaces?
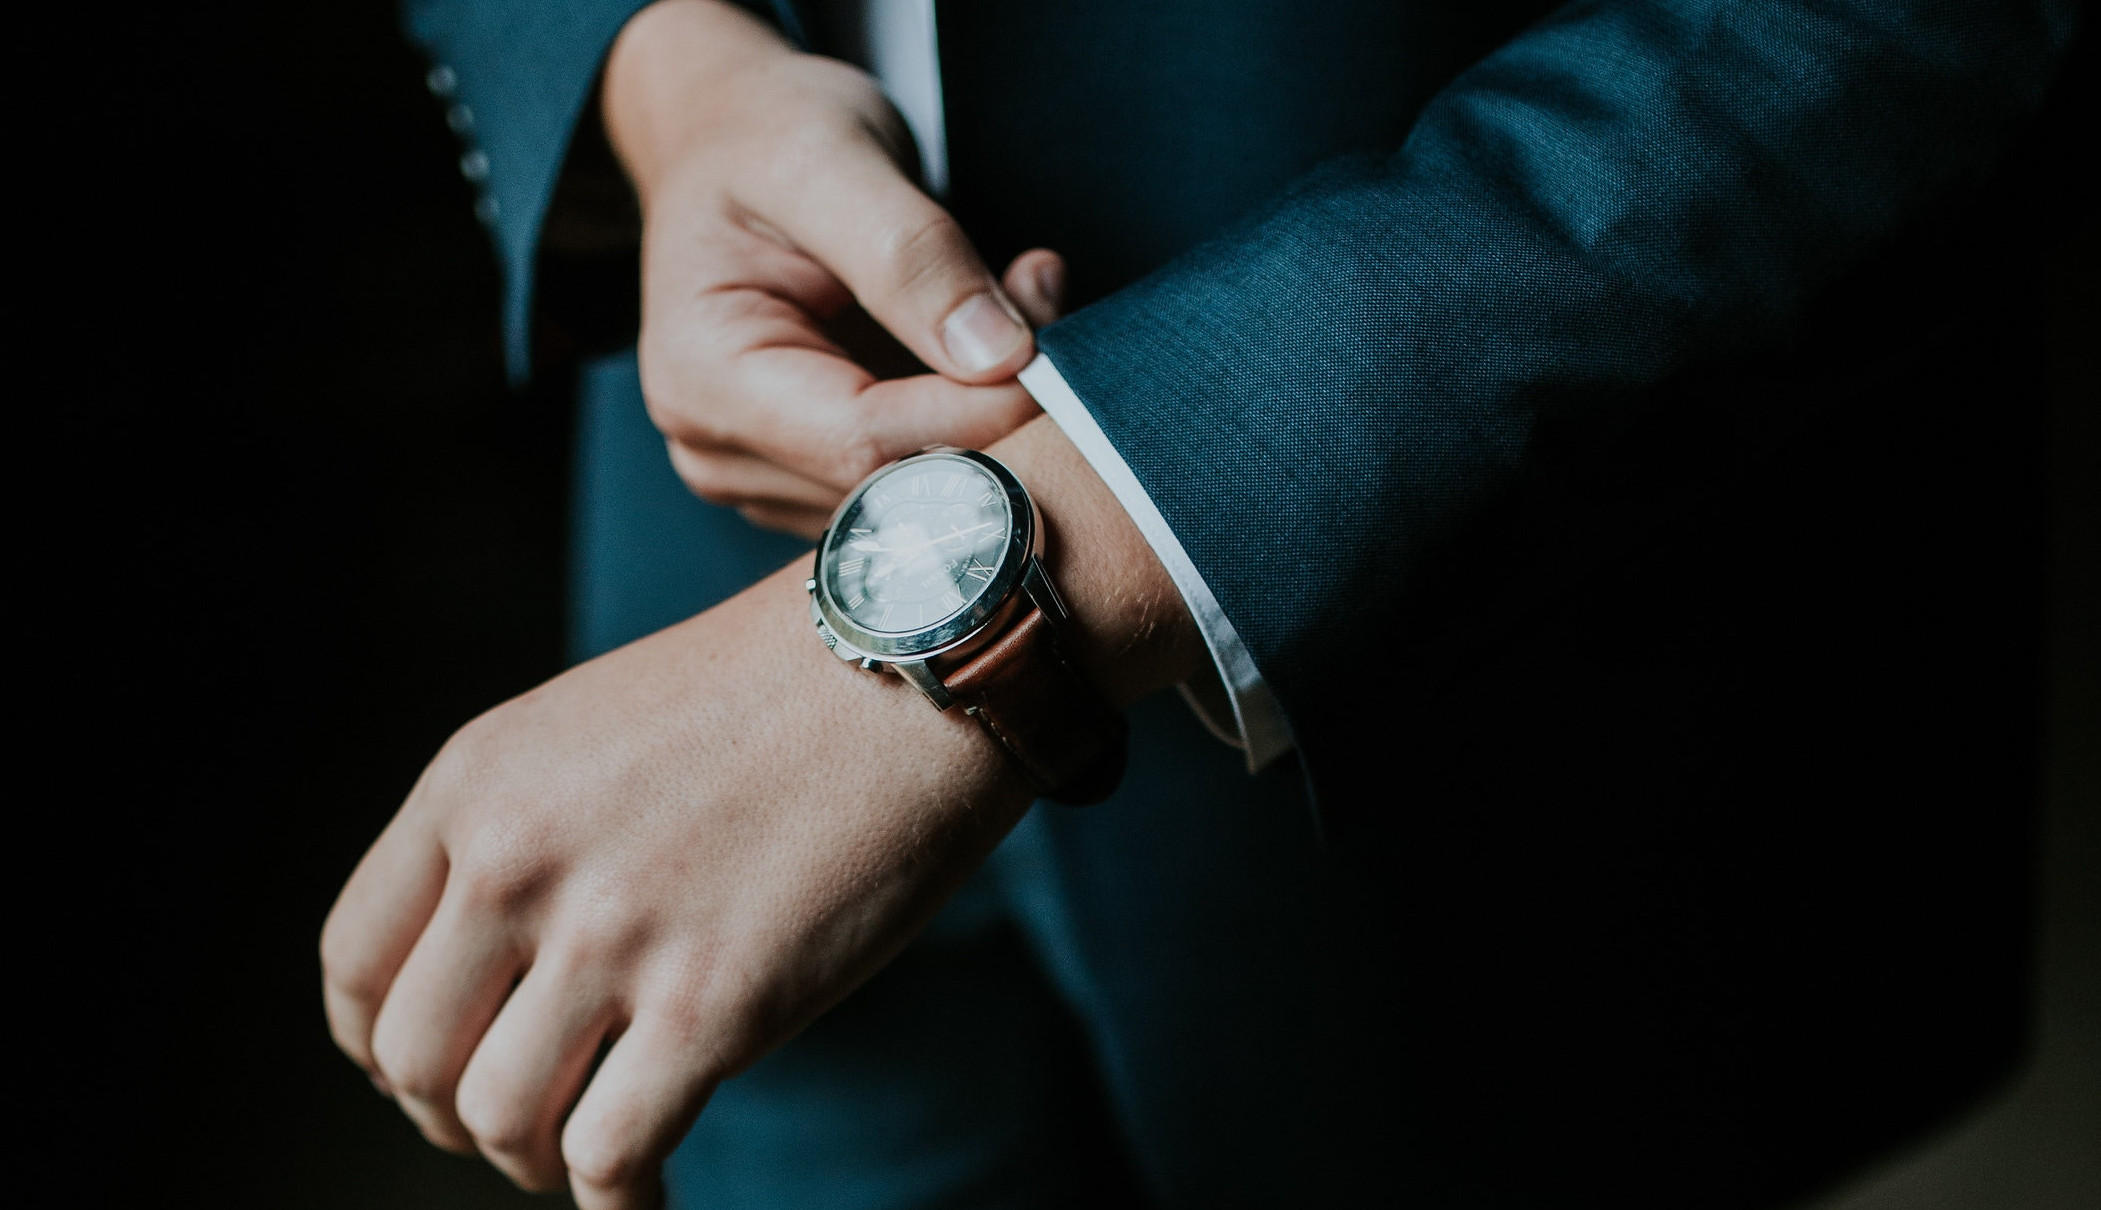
{"x":441,"y":80}
{"x":475,"y":166}
{"x":460,"y":118}
{"x":486,"y":209}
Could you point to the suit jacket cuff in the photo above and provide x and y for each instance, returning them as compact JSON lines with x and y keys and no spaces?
{"x":1258,"y":726}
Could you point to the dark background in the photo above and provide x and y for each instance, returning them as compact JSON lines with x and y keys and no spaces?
{"x":309,"y":532}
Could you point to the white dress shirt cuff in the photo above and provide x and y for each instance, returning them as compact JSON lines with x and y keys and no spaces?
{"x":1258,"y":724}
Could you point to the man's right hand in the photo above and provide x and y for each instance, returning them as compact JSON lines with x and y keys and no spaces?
{"x":775,"y":194}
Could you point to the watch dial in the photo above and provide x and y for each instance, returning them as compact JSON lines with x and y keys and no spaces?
{"x":919,"y":546}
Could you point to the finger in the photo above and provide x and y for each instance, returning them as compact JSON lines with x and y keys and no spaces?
{"x":905,"y":415}
{"x":372,"y":928}
{"x":529,"y":1067}
{"x":646,"y":1094}
{"x":449,"y":989}
{"x":830,"y":421}
{"x":803,"y":523}
{"x":906,"y":261}
{"x":735,"y":359}
{"x":736,"y":479}
{"x":691,"y":252}
{"x":1036,"y":283}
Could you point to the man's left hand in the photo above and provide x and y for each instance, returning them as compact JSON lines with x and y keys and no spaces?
{"x":680,"y":853}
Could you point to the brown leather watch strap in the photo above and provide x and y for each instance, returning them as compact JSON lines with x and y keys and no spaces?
{"x":1038,"y":705}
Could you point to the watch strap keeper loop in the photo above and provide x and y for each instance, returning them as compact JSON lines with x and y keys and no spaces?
{"x":1031,"y":698}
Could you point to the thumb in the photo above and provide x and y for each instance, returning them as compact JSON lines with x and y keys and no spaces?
{"x":1036,"y":283}
{"x":908,"y":263}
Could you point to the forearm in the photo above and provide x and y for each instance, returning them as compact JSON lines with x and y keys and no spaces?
{"x":1625,"y":191}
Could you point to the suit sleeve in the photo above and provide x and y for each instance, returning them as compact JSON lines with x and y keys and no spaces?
{"x":519,"y":75}
{"x":1625,"y":190}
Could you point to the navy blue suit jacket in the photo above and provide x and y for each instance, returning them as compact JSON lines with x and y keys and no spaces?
{"x":1612,"y":426}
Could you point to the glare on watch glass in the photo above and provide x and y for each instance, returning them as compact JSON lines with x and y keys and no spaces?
{"x":919,"y":546}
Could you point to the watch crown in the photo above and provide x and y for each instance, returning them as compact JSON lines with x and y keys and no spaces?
{"x":810,"y":585}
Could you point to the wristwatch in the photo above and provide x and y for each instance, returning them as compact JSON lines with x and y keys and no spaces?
{"x":933,"y":569}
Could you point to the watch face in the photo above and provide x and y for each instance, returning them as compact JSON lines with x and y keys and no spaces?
{"x":919,"y":549}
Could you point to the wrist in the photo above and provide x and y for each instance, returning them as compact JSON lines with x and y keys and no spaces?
{"x":1129,"y":629}
{"x":942,"y":569}
{"x":665,"y":72}
{"x":866,"y":714}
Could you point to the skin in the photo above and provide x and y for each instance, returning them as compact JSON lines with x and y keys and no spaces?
{"x":679,"y":854}
{"x":775,"y":191}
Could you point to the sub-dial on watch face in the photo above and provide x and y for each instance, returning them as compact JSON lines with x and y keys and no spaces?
{"x":919,"y":546}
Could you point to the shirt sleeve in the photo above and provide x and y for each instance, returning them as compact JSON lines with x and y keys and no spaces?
{"x":1257,"y":725}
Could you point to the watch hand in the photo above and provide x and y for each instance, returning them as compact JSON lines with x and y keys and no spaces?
{"x":870,"y":545}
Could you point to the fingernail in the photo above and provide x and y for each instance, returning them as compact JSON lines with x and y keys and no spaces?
{"x":981,"y":333}
{"x":1050,"y":282}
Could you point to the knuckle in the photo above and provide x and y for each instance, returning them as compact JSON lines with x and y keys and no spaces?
{"x":599,"y":1162}
{"x":806,"y":144}
{"x":509,"y":861}
{"x":608,"y":936}
{"x":348,"y":1041}
{"x":697,"y":995}
{"x":344,"y":969}
{"x":918,"y":249}
{"x":504,"y":871}
{"x":670,"y":415}
{"x":472,"y":760}
{"x":705,"y":476}
{"x":439,"y":1134}
{"x":856,"y":91}
{"x":411,"y":1076}
{"x":692,"y":1006}
{"x":500,"y":1124}
{"x":657,"y":365}
{"x":855,"y":455}
{"x":709,"y":493}
{"x":678,"y":397}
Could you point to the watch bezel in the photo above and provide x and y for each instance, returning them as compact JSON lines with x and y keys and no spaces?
{"x":853,"y":639}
